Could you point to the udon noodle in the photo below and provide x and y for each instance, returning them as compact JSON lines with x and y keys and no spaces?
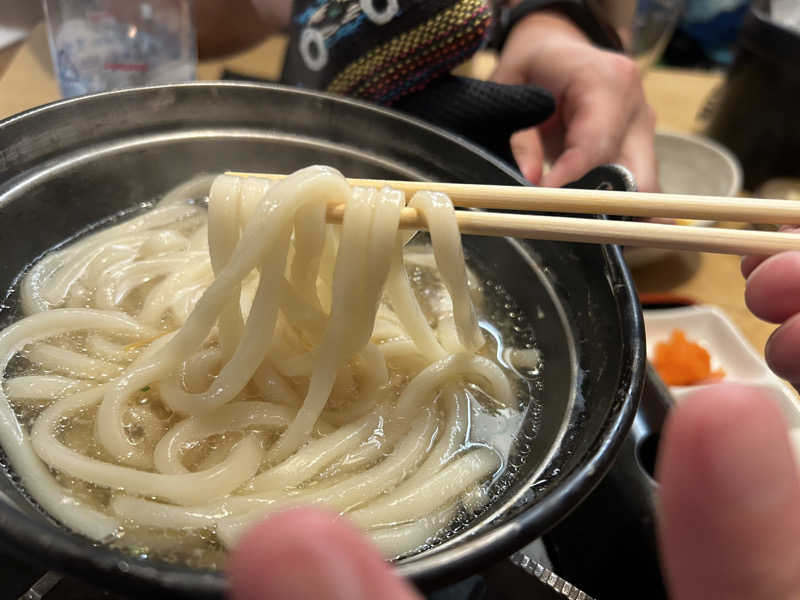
{"x":194,"y":370}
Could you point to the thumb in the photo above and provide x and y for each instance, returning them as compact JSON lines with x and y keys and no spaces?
{"x":730,"y":498}
{"x":307,"y":553}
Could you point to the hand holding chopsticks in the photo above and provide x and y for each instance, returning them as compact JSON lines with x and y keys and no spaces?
{"x":587,"y":230}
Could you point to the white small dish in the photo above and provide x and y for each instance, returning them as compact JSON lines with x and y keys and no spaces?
{"x":689,"y":164}
{"x":695,"y":164}
{"x":729,"y":350}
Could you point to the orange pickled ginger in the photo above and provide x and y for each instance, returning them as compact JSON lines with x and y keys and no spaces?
{"x":682,"y":362}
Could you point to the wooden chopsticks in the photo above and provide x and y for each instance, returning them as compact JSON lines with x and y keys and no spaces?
{"x":572,"y":229}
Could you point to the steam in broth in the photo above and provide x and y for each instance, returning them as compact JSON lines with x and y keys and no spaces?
{"x":176,"y":394}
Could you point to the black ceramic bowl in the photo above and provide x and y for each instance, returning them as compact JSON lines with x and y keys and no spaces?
{"x":69,"y":164}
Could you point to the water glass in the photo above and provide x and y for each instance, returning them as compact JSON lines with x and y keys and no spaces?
{"x":652,"y":27}
{"x":100,"y":45}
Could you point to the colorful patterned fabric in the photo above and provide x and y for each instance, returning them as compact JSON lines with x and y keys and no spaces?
{"x":381,"y":50}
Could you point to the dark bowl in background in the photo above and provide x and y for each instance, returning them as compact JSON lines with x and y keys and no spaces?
{"x":72,"y":163}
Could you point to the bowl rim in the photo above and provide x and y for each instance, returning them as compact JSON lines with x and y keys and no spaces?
{"x":728,"y":157}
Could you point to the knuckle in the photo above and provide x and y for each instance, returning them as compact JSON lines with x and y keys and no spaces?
{"x":625,"y":69}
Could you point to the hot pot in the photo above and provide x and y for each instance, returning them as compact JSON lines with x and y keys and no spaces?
{"x":73,"y":163}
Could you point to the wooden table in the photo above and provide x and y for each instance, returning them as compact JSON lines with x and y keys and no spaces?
{"x":677,"y":96}
{"x":7,"y":54}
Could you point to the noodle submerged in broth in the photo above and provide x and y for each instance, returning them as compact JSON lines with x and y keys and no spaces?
{"x":180,"y":375}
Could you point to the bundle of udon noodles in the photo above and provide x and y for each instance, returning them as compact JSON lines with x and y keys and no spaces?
{"x":197,"y":369}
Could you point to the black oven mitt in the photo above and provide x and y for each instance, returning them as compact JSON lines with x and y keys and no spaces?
{"x":400,"y":53}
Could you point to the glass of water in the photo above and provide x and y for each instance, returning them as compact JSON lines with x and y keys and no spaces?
{"x":100,"y":45}
{"x":653,"y":24}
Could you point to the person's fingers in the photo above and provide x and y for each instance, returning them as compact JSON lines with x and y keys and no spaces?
{"x":749,"y":263}
{"x":307,"y":553}
{"x":730,"y":491}
{"x":526,"y":146}
{"x":596,"y":112}
{"x":638,"y":152}
{"x":782,"y":350}
{"x":772,"y":290}
{"x":594,"y":133}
